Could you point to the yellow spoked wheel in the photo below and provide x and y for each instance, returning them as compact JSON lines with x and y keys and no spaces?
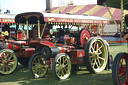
{"x":96,"y":55}
{"x":61,"y":66}
{"x":8,"y":61}
{"x":38,"y":66}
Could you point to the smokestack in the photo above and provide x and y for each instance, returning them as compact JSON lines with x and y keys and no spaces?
{"x":48,"y":6}
{"x":0,"y":11}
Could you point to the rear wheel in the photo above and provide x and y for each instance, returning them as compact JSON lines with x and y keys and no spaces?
{"x":38,"y":66}
{"x":61,"y":66}
{"x":8,"y":61}
{"x":96,"y":55}
{"x":120,"y":69}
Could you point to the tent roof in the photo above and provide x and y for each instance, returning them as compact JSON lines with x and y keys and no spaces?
{"x":7,"y":18}
{"x":90,"y":10}
{"x":62,"y":18}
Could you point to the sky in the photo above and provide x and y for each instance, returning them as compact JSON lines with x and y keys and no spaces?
{"x":20,"y":6}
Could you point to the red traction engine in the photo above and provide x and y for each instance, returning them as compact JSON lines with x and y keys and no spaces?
{"x":73,"y":52}
{"x":11,"y":52}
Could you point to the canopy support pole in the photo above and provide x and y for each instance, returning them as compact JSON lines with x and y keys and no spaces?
{"x":27,"y":29}
{"x":39,"y":29}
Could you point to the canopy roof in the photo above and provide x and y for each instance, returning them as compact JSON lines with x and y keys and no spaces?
{"x":33,"y":17}
{"x":90,"y":10}
{"x":7,"y":18}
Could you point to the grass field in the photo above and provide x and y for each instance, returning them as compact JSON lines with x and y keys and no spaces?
{"x":82,"y":77}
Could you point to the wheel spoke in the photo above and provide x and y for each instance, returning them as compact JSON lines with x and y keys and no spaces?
{"x":99,"y":48}
{"x":93,"y":64}
{"x":10,"y":57}
{"x":11,"y":60}
{"x":91,"y":56}
{"x":10,"y":63}
{"x":9,"y":67}
{"x":99,"y":62}
{"x":97,"y":65}
{"x":121,"y":74}
{"x":92,"y":49}
{"x":59,"y":61}
{"x":62,"y":72}
{"x":58,"y":67}
{"x":101,"y":58}
{"x":100,"y":52}
{"x":58,"y":72}
{"x":3,"y":68}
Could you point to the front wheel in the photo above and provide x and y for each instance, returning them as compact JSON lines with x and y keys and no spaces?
{"x":120,"y":69}
{"x":38,"y":66}
{"x":8,"y":61}
{"x":61,"y":66}
{"x":96,"y":55}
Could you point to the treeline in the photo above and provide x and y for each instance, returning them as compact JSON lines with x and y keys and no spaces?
{"x":116,"y":3}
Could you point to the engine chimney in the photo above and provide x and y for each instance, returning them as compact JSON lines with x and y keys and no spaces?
{"x":0,"y":11}
{"x":48,"y":6}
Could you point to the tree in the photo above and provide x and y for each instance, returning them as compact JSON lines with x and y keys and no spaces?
{"x":100,"y":2}
{"x":116,"y":3}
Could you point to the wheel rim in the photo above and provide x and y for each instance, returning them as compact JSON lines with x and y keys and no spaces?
{"x":39,"y":66}
{"x":63,"y":67}
{"x":123,"y":70}
{"x":98,"y":55}
{"x":8,"y":62}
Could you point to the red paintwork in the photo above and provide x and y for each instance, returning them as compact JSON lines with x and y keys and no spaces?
{"x":48,"y":43}
{"x":62,"y":49}
{"x":67,"y":20}
{"x":2,"y":37}
{"x":26,"y":52}
{"x":18,"y":42}
{"x":84,"y":36}
{"x":77,"y":56}
{"x":5,"y":20}
{"x":66,"y":37}
{"x":80,"y":56}
{"x":72,"y":40}
{"x":12,"y":46}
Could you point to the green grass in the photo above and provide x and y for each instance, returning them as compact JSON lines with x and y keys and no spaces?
{"x":82,"y":77}
{"x":114,"y":50}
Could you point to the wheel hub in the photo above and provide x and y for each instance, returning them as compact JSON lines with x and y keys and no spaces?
{"x":62,"y":66}
{"x":95,"y":55}
{"x":38,"y":65}
{"x":5,"y":62}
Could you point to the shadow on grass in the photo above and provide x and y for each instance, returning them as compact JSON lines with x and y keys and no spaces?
{"x":82,"y":77}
